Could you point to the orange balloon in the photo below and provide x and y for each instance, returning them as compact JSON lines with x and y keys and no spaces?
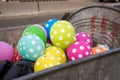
{"x":97,"y":50}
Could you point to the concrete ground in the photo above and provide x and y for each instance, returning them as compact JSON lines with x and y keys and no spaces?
{"x":18,"y":9}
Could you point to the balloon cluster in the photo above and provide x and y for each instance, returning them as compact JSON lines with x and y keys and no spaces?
{"x":64,"y":44}
{"x":50,"y":45}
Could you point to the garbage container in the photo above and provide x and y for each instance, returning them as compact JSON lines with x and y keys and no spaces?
{"x":103,"y":24}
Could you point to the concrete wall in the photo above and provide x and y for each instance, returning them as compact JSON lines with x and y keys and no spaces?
{"x":16,"y":8}
{"x":32,"y":7}
{"x":7,"y":8}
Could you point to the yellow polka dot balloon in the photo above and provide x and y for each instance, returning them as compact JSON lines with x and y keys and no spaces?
{"x":53,"y":56}
{"x":45,"y":62}
{"x":62,"y":34}
{"x":56,"y":52}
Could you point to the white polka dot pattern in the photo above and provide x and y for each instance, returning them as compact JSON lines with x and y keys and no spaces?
{"x":51,"y":65}
{"x":52,"y":58}
{"x":76,"y":43}
{"x":47,"y":25}
{"x":81,"y":47}
{"x":83,"y":35}
{"x":31,"y":50}
{"x":66,"y":42}
{"x":80,"y":55}
{"x":57,"y":44}
{"x":38,"y":48}
{"x":45,"y":65}
{"x":73,"y":58}
{"x":55,"y":32}
{"x":35,"y":56}
{"x":37,"y":63}
{"x":24,"y":47}
{"x":33,"y":42}
{"x":57,"y":51}
{"x":74,"y":50}
{"x":69,"y":35}
{"x":62,"y":30}
{"x":60,"y":38}
{"x":87,"y":53}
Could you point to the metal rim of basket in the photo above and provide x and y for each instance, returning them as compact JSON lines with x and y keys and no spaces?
{"x":107,"y":7}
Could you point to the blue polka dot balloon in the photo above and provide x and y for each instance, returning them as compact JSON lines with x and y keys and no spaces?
{"x":48,"y":26}
{"x":31,"y":47}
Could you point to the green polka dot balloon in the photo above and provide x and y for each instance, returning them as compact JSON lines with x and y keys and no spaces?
{"x":62,"y":34}
{"x":35,"y":30}
{"x":31,"y":47}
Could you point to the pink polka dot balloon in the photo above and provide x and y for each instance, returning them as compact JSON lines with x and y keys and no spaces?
{"x":6,"y":51}
{"x":79,"y":50}
{"x":83,"y":36}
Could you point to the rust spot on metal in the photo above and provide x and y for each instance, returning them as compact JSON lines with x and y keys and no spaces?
{"x":103,"y":26}
{"x":93,"y":26}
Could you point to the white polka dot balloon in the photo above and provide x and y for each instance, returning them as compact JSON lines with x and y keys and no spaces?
{"x":62,"y":34}
{"x":57,"y":53}
{"x":83,"y":36}
{"x":44,"y":62}
{"x":31,"y":47}
{"x":52,"y":56}
{"x":79,"y":50}
{"x":48,"y":25}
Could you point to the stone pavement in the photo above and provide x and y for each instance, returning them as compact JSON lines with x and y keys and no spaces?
{"x":13,"y":9}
